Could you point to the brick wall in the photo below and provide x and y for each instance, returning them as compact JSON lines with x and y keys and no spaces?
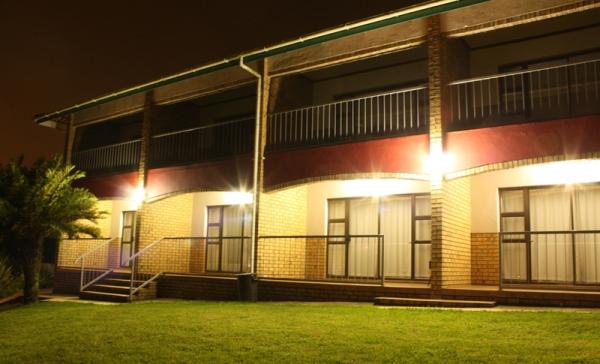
{"x":484,"y":258}
{"x":104,"y":255}
{"x":66,"y":281}
{"x":282,"y":213}
{"x":456,"y":232}
{"x":169,"y":217}
{"x":190,"y":287}
{"x":316,"y":258}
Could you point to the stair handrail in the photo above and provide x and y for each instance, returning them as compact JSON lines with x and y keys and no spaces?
{"x":132,"y":260}
{"x":82,"y":257}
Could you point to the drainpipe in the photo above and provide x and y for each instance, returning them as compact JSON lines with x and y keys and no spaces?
{"x":255,"y":167}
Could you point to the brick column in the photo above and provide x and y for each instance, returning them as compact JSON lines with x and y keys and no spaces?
{"x":69,"y":139}
{"x":450,"y":200}
{"x":141,"y":236}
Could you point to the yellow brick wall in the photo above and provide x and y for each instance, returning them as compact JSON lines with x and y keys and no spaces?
{"x":456,"y":232}
{"x":485,"y":261}
{"x":282,"y":213}
{"x":104,"y":257}
{"x":316,"y":258}
{"x":169,"y":217}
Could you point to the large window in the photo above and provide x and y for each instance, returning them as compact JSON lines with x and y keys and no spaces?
{"x":403,"y":220}
{"x":551,"y":234}
{"x":228,"y":243}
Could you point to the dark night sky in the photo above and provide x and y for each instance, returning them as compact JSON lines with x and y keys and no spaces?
{"x":54,"y":54}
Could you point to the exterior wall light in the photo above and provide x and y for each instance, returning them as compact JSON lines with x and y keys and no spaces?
{"x":438,"y":163}
{"x":137,"y":196}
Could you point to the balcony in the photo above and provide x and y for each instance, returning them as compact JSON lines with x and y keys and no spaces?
{"x":121,"y":157}
{"x":205,"y":143}
{"x":523,"y":96}
{"x":396,"y":113}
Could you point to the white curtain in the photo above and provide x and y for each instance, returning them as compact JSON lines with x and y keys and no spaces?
{"x":336,"y":263}
{"x":232,"y":248}
{"x":396,"y":229}
{"x":362,"y":252}
{"x":586,"y":211}
{"x":212,"y":244}
{"x":551,"y":254}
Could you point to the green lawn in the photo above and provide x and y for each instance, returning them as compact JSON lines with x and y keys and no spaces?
{"x":196,"y":331}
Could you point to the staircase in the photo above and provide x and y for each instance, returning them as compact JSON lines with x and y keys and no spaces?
{"x":115,"y":287}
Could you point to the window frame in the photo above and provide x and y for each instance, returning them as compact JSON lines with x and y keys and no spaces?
{"x":347,"y":218}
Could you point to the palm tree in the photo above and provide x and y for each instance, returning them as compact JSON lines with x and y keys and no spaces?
{"x":36,"y":203}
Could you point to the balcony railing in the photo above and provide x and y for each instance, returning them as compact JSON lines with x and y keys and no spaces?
{"x":557,"y":257}
{"x":216,"y":141}
{"x":548,"y":93}
{"x":394,"y":113}
{"x":115,"y":157}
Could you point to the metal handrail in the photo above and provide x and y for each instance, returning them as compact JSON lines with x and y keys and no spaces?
{"x":387,"y":93}
{"x":83,"y":285}
{"x":521,"y":72}
{"x":215,"y":125}
{"x":106,"y":241}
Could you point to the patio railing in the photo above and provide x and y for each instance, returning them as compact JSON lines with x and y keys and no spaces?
{"x":188,"y":255}
{"x":386,"y":114}
{"x":557,"y":257}
{"x":538,"y":94}
{"x":354,"y":258}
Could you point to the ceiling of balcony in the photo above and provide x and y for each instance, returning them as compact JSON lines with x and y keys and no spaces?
{"x":563,"y":24}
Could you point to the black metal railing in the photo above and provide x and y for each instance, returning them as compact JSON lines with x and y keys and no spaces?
{"x":204,"y":143}
{"x":387,"y":114}
{"x":553,"y":92}
{"x":115,"y":157}
{"x":556,"y":257}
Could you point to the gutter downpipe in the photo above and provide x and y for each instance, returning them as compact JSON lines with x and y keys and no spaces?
{"x":255,"y":171}
{"x":406,"y":14}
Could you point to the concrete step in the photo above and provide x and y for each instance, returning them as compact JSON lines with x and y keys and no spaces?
{"x":119,"y":282}
{"x":430,"y":302}
{"x":103,"y":296}
{"x":104,"y":287}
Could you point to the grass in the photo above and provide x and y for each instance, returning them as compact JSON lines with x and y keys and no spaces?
{"x":196,"y":331}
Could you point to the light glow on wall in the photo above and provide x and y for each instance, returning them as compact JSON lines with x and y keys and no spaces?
{"x":137,"y":196}
{"x":373,"y":187}
{"x":567,"y":172}
{"x":238,"y":198}
{"x":438,"y":162}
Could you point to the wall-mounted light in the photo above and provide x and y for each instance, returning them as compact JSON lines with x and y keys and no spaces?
{"x":438,"y":163}
{"x":137,"y":196}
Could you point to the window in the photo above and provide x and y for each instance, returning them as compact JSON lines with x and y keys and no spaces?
{"x":551,"y":234}
{"x":127,"y":236}
{"x":403,"y":220}
{"x":228,"y":243}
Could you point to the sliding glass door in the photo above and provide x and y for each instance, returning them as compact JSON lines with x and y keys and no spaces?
{"x":403,"y":220}
{"x":228,"y":244}
{"x":551,"y":234}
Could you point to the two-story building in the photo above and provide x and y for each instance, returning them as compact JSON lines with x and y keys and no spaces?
{"x":447,"y":150}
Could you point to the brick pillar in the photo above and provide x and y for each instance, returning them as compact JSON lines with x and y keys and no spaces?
{"x":148,"y":115}
{"x":69,"y":139}
{"x":450,"y":200}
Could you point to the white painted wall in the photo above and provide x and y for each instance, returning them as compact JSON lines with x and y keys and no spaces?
{"x":116,"y":215}
{"x":319,"y":192}
{"x":484,"y":187}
